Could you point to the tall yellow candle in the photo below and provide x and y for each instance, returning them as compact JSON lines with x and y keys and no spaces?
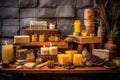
{"x":77,"y":59}
{"x":71,"y":53}
{"x":77,"y":26}
{"x":7,"y":52}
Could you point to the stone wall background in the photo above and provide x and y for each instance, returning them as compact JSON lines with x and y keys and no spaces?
{"x":15,"y":15}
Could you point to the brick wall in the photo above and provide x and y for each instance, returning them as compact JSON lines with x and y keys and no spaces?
{"x":15,"y":15}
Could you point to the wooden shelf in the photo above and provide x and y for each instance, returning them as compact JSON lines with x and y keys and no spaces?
{"x":37,"y":31}
{"x":60,"y":44}
{"x":60,"y":70}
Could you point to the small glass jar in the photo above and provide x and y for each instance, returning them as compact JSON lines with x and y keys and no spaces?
{"x":30,"y":56}
{"x":41,"y":38}
{"x":84,"y":33}
{"x":34,"y":38}
{"x":52,"y":26}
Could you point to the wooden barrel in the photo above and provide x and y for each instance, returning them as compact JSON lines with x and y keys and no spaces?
{"x":89,"y":13}
{"x":89,"y":26}
{"x":89,"y":20}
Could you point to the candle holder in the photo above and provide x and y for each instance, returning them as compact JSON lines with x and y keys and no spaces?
{"x":84,"y":33}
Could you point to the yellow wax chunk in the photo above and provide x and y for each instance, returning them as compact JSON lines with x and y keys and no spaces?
{"x":60,"y":58}
{"x":22,"y":38}
{"x":71,"y":52}
{"x":77,"y":26}
{"x":53,"y":50}
{"x":7,"y":52}
{"x":77,"y":59}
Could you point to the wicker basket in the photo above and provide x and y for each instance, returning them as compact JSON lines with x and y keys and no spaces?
{"x":48,"y":57}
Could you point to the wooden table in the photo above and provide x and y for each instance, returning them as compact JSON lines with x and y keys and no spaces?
{"x":61,"y":70}
{"x":59,"y":73}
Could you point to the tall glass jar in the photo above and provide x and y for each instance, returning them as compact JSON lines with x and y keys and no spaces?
{"x":7,"y":51}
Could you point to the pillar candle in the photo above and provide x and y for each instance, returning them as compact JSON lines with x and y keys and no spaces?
{"x":71,"y":53}
{"x":66,"y":58}
{"x":53,"y":50}
{"x":34,"y":38}
{"x":44,"y":50}
{"x":77,"y":59}
{"x":77,"y":26}
{"x":51,"y":26}
{"x":7,"y":52}
{"x":60,"y":58}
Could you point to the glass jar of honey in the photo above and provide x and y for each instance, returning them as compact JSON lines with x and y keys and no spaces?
{"x":41,"y":38}
{"x":30,"y":56}
{"x":34,"y":38}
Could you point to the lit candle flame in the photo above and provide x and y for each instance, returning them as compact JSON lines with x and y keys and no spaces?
{"x":50,"y":44}
{"x":5,"y":42}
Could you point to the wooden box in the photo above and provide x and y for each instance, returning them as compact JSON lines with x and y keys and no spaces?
{"x":89,"y":40}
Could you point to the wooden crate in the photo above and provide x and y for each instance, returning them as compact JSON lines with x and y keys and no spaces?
{"x":84,"y":40}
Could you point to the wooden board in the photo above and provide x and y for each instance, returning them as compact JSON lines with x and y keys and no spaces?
{"x":85,"y":40}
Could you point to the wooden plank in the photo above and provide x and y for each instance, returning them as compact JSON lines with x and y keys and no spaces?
{"x":60,"y":70}
{"x":61,"y":44}
{"x":31,"y":31}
